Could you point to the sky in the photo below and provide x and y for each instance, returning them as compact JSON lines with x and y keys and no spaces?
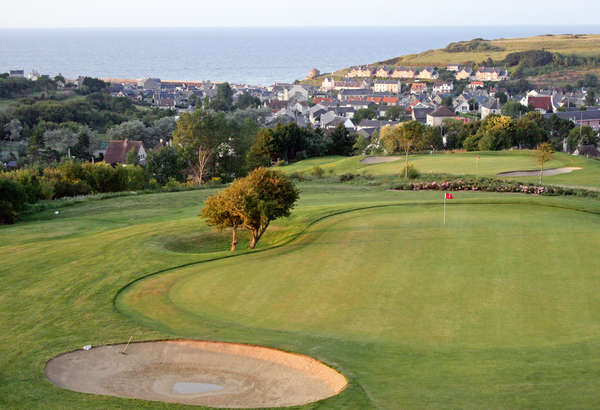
{"x":278,"y":13}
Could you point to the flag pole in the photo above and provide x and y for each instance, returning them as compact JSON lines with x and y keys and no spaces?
{"x":444,"y":208}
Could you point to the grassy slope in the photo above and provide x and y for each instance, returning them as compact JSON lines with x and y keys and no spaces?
{"x":490,"y":164}
{"x":586,"y":45}
{"x":416,"y":313}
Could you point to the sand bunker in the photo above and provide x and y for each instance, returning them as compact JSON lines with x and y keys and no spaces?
{"x":195,"y":372}
{"x":547,"y":172}
{"x":378,"y":160}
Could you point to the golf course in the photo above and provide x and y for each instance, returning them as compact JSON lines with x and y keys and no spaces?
{"x":496,"y":308}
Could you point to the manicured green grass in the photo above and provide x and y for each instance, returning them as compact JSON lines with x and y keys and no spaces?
{"x":490,"y":164}
{"x":414,"y":314}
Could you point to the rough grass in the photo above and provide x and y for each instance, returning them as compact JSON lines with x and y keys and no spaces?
{"x":61,"y":273}
{"x":490,"y":164}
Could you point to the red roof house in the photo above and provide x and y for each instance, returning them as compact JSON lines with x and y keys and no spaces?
{"x":117,"y":151}
{"x":542,"y":103}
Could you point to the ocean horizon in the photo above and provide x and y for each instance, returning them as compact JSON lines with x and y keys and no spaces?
{"x":258,"y":56}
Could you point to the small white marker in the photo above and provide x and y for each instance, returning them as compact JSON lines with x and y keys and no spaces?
{"x":55,"y":212}
{"x":87,"y":347}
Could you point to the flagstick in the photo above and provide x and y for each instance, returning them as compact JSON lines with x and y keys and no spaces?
{"x":444,"y":208}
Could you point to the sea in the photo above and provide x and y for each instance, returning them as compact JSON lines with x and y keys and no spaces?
{"x":256,"y":56}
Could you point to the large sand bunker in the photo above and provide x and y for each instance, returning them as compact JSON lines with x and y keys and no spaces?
{"x":196,"y":372}
{"x":547,"y":172}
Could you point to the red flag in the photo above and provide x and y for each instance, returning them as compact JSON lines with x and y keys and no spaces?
{"x":449,"y":196}
{"x":478,"y":157}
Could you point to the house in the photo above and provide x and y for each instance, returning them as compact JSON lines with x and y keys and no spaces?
{"x":117,"y":151}
{"x":475,"y":84}
{"x":387,"y":86}
{"x":463,"y":73}
{"x":320,"y":99}
{"x":453,"y":67}
{"x":404,"y":72}
{"x":589,"y":118}
{"x":443,"y":88}
{"x":418,"y":88}
{"x":490,"y":107}
{"x":16,"y":73}
{"x":328,"y":84}
{"x":420,"y":114}
{"x":490,"y":74}
{"x":296,"y":93}
{"x":427,"y":73}
{"x":361,"y":72}
{"x":437,"y":117}
{"x":589,"y":151}
{"x":151,"y":84}
{"x":541,"y":103}
{"x":383,"y":72}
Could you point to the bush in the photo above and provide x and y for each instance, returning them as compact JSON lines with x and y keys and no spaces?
{"x":317,"y":171}
{"x":280,"y":163}
{"x":411,"y":171}
{"x":349,"y":176}
{"x":13,"y":199}
{"x":297,"y":175}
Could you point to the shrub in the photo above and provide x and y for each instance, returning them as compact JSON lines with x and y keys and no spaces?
{"x":349,"y":176}
{"x":280,"y":163}
{"x":317,"y":171}
{"x":410,"y":171}
{"x":297,"y":175}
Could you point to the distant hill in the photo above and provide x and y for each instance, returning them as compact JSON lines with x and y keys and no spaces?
{"x":578,"y":54}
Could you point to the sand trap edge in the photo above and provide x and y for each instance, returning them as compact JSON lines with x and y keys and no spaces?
{"x":321,"y":371}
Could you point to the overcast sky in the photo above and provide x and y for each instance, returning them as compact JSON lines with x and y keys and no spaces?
{"x":264,"y":13}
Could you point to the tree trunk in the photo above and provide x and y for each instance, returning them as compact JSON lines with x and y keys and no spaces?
{"x":542,"y":173}
{"x":234,"y":239}
{"x":255,"y":238}
{"x":406,"y":166}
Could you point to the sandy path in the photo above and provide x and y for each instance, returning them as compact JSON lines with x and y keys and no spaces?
{"x":533,"y":173}
{"x":237,"y":375}
{"x":378,"y":160}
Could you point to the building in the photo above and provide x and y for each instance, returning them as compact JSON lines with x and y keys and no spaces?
{"x":360,"y":72}
{"x":443,"y":88}
{"x":387,"y":86}
{"x":16,"y":73}
{"x":437,"y":117}
{"x":589,"y":117}
{"x":383,"y":72}
{"x":542,"y":103}
{"x":117,"y":151}
{"x":427,"y":73}
{"x":490,"y":74}
{"x":418,"y":88}
{"x":490,"y":107}
{"x":464,"y":73}
{"x":404,"y":72}
{"x":151,"y":84}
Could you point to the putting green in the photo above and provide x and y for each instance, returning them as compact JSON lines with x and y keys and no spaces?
{"x":501,"y":300}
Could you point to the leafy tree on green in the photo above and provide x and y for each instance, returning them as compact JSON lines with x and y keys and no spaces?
{"x":581,"y":136}
{"x":252,"y":203}
{"x":364,"y":114}
{"x":395,"y":113}
{"x":514,"y":109}
{"x":543,"y":154}
{"x":245,"y":100}
{"x":502,"y":97}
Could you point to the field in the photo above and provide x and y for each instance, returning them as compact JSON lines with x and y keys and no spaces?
{"x":566,"y":44}
{"x":496,"y":309}
{"x":490,"y":164}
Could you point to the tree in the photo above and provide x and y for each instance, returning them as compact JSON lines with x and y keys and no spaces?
{"x":223,"y":210}
{"x":543,"y":154}
{"x":132,"y":158}
{"x":246,"y":100}
{"x":252,"y":203}
{"x":529,"y":132}
{"x":495,"y":133}
{"x":92,"y":85}
{"x":165,"y":163}
{"x":60,"y":140}
{"x":223,"y":101}
{"x":364,"y":114}
{"x":197,"y":139}
{"x":394,"y":113}
{"x":447,"y":101}
{"x":360,"y":145}
{"x":502,"y":97}
{"x":403,"y":137}
{"x":581,"y":136}
{"x":13,"y":129}
{"x":341,"y":142}
{"x":590,"y":98}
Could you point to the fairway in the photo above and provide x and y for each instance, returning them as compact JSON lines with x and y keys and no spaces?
{"x":506,"y":280}
{"x":497,"y":309}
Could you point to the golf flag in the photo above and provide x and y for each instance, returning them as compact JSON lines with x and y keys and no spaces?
{"x":449,"y":196}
